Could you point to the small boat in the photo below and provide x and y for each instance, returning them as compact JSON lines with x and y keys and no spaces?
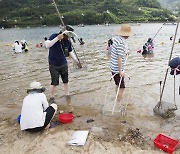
{"x":169,"y":23}
{"x":107,"y":23}
{"x":81,"y":25}
{"x":135,"y":24}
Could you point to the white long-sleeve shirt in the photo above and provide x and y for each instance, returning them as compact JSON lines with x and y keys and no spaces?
{"x":17,"y":47}
{"x":32,"y":113}
{"x":50,"y":43}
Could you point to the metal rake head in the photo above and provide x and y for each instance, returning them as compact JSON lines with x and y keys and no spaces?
{"x":123,"y":110}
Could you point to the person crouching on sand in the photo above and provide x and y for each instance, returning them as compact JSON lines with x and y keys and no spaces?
{"x":36,"y":114}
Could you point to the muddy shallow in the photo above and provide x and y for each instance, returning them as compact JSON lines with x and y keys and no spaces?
{"x":92,"y":94}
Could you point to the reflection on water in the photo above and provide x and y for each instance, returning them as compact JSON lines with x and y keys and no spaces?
{"x":89,"y":86}
{"x":148,"y":56}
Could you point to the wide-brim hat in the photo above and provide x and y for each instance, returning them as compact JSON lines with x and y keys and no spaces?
{"x":125,"y":30}
{"x":35,"y":85}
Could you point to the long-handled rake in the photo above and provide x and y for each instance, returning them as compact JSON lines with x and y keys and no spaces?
{"x":118,"y":89}
{"x":103,"y":108}
{"x":123,"y":109}
{"x":70,"y":34}
{"x":116,"y":96}
{"x":165,"y":109}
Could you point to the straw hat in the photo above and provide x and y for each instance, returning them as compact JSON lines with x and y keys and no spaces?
{"x":35,"y":85}
{"x":125,"y":30}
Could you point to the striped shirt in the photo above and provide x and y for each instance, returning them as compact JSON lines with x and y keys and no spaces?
{"x":119,"y":48}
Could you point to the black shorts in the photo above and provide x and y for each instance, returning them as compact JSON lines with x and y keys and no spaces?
{"x":49,"y":115}
{"x":117,"y":80}
{"x":56,"y":71}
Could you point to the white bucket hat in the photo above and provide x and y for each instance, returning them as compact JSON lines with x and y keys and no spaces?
{"x":35,"y":85}
{"x":125,"y":30}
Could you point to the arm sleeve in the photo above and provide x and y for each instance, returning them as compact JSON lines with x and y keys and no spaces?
{"x":50,"y":43}
{"x":73,"y":56}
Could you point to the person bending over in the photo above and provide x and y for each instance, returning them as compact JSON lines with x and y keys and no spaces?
{"x":59,"y":47}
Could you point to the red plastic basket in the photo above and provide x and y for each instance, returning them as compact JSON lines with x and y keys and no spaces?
{"x":65,"y":117}
{"x":165,"y":143}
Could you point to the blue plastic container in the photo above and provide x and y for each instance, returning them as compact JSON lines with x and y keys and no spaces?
{"x":18,"y":118}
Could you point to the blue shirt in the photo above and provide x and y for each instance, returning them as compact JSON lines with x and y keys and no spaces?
{"x":56,"y":52}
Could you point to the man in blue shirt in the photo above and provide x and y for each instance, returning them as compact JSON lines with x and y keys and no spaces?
{"x":59,"y":47}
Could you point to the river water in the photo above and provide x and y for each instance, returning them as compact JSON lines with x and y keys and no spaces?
{"x":90,"y":85}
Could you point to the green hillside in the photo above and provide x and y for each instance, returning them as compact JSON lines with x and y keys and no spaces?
{"x":19,"y":13}
{"x":173,"y":5}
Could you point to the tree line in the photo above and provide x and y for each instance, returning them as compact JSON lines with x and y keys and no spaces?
{"x":21,"y":13}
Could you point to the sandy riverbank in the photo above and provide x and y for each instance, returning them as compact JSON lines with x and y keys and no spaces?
{"x":116,"y":136}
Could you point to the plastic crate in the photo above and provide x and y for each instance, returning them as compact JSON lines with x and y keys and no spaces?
{"x":165,"y":143}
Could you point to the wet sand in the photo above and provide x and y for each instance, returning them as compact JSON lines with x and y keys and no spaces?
{"x":113,"y":135}
{"x":92,"y":96}
{"x":107,"y":134}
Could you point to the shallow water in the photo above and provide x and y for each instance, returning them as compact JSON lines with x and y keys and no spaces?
{"x":89,"y":86}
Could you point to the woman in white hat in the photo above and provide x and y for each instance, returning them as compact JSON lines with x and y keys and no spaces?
{"x":36,"y":114}
{"x":118,"y":55}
